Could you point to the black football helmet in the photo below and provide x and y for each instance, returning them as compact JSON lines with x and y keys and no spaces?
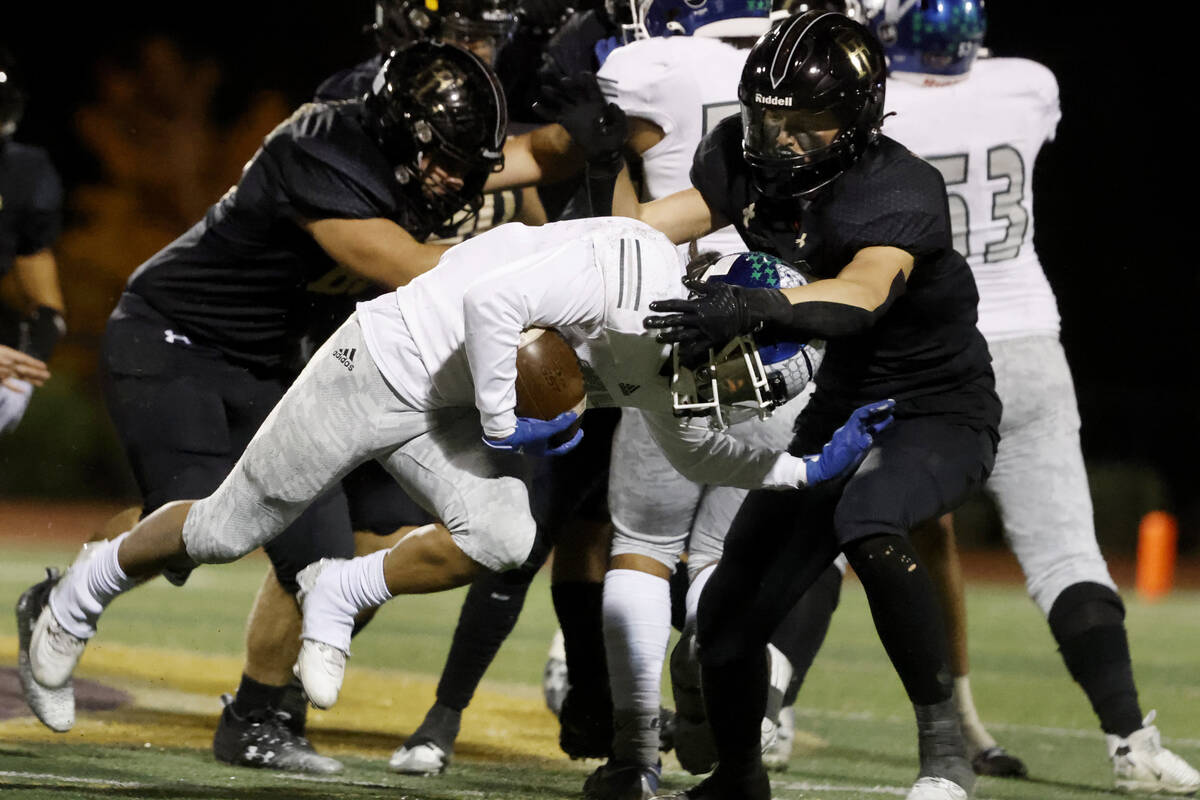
{"x":812,"y":102}
{"x":782,"y":9}
{"x":481,"y":26}
{"x":438,"y":114}
{"x":12,"y":97}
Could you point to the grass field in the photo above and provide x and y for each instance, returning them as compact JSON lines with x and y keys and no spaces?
{"x":174,"y":651}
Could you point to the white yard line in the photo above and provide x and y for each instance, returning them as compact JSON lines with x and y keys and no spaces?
{"x":46,"y":776}
{"x":806,"y":786}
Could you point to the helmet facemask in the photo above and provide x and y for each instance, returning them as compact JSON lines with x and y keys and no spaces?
{"x":812,"y":99}
{"x":746,"y":378}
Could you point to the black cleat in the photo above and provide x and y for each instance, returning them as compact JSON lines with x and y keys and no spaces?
{"x":616,"y":780}
{"x":996,"y":762}
{"x":586,"y":726}
{"x":754,"y":786}
{"x":263,"y":740}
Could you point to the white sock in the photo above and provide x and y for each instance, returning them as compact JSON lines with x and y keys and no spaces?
{"x":637,"y":628}
{"x":692,"y":601}
{"x":92,"y":582}
{"x":978,"y":739}
{"x":349,"y":587}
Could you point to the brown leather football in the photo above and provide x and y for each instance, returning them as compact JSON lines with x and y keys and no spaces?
{"x":549,"y":380}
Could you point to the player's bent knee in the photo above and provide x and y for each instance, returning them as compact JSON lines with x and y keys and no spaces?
{"x":217,"y":533}
{"x":500,"y":537}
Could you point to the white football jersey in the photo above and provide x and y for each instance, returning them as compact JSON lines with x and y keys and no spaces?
{"x":983,"y":134}
{"x":685,"y":85}
{"x":449,"y":338}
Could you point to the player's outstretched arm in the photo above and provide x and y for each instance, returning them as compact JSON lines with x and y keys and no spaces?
{"x":848,"y":304}
{"x":377,"y":249}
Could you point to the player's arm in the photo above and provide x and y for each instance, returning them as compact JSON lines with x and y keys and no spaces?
{"x":32,"y":289}
{"x":682,"y":216}
{"x":845,"y":305}
{"x":377,"y":249}
{"x":543,"y":155}
{"x":707,"y":456}
{"x":21,"y":366}
{"x":554,"y":289}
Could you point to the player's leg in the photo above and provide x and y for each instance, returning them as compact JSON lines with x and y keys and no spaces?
{"x":259,"y":719}
{"x":799,"y":637}
{"x":482,"y":498}
{"x":327,"y":422}
{"x":778,"y":545}
{"x":488,"y":615}
{"x":920,"y":468}
{"x":652,"y":507}
{"x":572,"y":502}
{"x":1040,"y":485}
{"x":165,"y":401}
{"x":938,"y":549}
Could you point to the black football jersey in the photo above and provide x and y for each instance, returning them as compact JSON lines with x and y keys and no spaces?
{"x":927,"y":342}
{"x":242,"y":279}
{"x":31,"y":197}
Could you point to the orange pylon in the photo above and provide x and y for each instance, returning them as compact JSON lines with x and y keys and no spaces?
{"x":1158,"y":536}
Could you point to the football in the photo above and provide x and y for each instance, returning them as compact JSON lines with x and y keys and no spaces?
{"x":549,"y":380}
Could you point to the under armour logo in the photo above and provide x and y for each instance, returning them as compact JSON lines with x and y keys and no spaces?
{"x":629,"y":388}
{"x":801,"y":240}
{"x":747,"y":215}
{"x":172,"y":337}
{"x":346,"y":356}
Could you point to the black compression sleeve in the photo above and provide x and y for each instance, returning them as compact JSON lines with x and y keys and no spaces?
{"x":827,"y":320}
{"x":601,"y":182}
{"x":41,"y":332}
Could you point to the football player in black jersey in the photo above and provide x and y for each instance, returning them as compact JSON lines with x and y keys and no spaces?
{"x":202,"y":342}
{"x":379,"y":511}
{"x":804,"y":173}
{"x":31,"y":303}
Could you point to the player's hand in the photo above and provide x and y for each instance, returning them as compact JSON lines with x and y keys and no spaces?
{"x":15,"y":364}
{"x":597,"y":126}
{"x":14,"y":399}
{"x":713,"y":316}
{"x":850,"y":443}
{"x":532,"y":436}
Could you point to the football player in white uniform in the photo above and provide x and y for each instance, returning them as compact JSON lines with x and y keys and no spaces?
{"x":412,"y":380}
{"x":981,"y":122}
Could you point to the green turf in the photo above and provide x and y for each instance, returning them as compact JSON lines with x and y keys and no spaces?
{"x":852,"y":701}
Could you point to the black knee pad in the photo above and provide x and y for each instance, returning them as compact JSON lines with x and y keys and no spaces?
{"x":1082,"y":607}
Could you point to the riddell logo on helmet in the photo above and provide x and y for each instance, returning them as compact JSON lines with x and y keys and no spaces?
{"x":771,"y":100}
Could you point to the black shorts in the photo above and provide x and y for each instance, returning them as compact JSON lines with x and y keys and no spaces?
{"x":575,"y":485}
{"x":378,"y":504}
{"x":184,"y":414}
{"x":920,"y":468}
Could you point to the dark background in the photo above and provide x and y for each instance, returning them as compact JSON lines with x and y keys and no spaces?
{"x":1110,"y":221}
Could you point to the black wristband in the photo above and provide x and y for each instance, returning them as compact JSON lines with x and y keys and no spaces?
{"x":41,"y":332}
{"x":828,"y":320}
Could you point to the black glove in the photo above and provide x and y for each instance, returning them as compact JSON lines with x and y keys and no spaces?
{"x":716,"y":314}
{"x":543,"y":16}
{"x":597,"y":126}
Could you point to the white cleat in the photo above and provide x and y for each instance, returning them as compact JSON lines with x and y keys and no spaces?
{"x":322,"y":668}
{"x":1142,"y":764}
{"x":422,"y":759}
{"x":53,"y":652}
{"x":936,"y":789}
{"x":321,"y":665}
{"x":778,"y":754}
{"x":555,"y":681}
{"x":54,"y":707}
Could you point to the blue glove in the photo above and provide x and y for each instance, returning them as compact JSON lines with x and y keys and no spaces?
{"x":532,"y":436}
{"x":850,"y":443}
